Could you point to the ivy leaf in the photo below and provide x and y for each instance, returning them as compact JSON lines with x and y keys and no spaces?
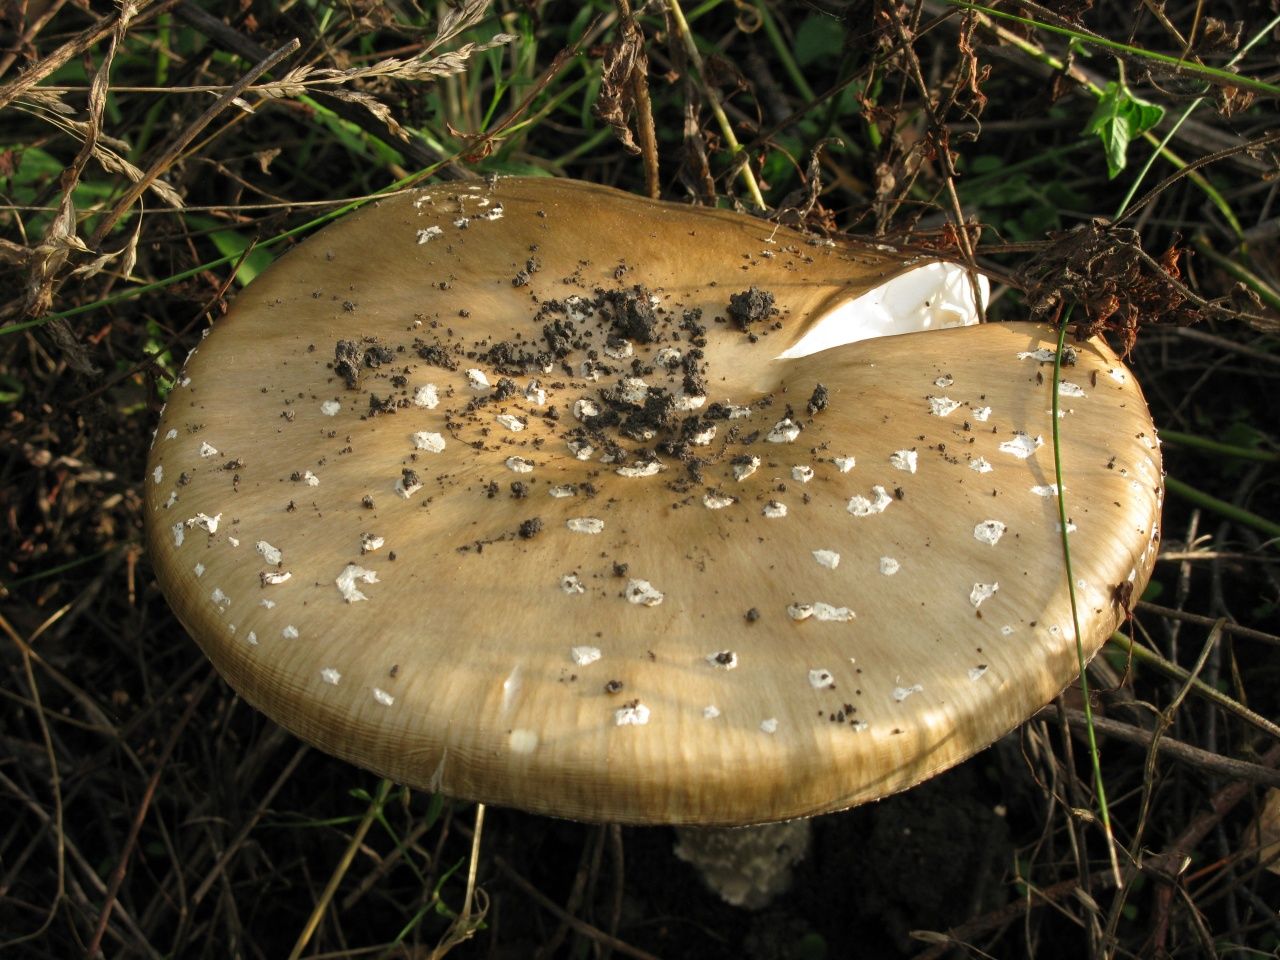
{"x":1118,"y":119}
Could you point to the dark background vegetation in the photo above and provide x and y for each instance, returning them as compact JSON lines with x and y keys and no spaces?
{"x":146,"y":812}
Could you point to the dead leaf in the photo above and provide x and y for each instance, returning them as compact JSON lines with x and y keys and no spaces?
{"x":615,"y":103}
{"x":1265,"y":832}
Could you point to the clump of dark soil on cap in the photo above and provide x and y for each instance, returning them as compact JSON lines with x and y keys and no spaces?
{"x":751,"y":306}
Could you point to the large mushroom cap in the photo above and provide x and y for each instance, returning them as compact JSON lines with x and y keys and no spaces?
{"x":442,"y":496}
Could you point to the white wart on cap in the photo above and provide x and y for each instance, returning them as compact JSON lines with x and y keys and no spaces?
{"x":743,"y":589}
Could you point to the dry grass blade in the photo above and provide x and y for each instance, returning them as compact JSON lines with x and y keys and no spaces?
{"x":78,"y":44}
{"x":171,"y":152}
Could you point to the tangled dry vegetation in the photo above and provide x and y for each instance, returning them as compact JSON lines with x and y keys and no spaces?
{"x":1111,"y":162}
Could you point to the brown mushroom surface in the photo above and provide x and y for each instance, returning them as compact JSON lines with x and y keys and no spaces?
{"x":501,"y":492}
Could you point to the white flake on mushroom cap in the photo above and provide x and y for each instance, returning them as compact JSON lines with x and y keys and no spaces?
{"x":825,"y":612}
{"x":519,"y":465}
{"x":703,"y":437}
{"x":860,"y":506}
{"x":621,"y":351}
{"x":405,"y":488}
{"x":204,"y":521}
{"x":347,"y":579}
{"x":827,"y":558}
{"x":821,"y":679}
{"x":723,"y":660}
{"x":648,"y":469}
{"x":784,"y":431}
{"x":989,"y":531}
{"x":1022,"y":445}
{"x":942,"y":406}
{"x":746,"y":468}
{"x":330,"y":408}
{"x":426,"y":396}
{"x":1047,"y":355}
{"x":643,"y":592}
{"x":430,"y":442}
{"x":716,"y":502}
{"x":581,"y":449}
{"x":904,"y":460}
{"x":981,"y":592}
{"x":980,"y":465}
{"x":584,"y":656}
{"x":585,"y":524}
{"x":633,"y":390}
{"x":633,"y":715}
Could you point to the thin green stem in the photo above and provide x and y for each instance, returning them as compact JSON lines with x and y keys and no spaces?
{"x":1221,"y":507}
{"x":713,"y":99}
{"x":1210,"y":74}
{"x":1240,"y":272}
{"x":1195,"y":442}
{"x":1174,"y":672}
{"x":1094,"y":753}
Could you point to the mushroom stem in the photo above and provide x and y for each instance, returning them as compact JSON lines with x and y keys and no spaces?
{"x":747,"y":866}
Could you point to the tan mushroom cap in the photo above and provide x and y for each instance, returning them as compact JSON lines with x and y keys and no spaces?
{"x":800,"y":612}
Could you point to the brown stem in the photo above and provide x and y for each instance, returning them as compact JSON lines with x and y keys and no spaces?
{"x":639,"y":81}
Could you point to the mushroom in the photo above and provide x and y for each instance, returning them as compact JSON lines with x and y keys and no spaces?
{"x":606,"y":509}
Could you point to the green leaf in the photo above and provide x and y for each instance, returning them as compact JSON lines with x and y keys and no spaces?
{"x":1118,"y":119}
{"x":818,"y":39}
{"x":232,"y":244}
